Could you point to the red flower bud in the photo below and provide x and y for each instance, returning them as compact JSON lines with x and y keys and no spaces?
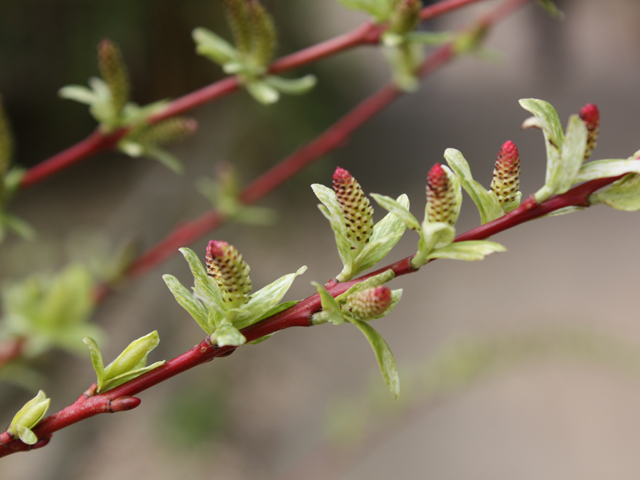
{"x":369,"y":303}
{"x":356,"y":208}
{"x":226,"y":266}
{"x":590,"y":115}
{"x":441,"y":197}
{"x":506,"y":174}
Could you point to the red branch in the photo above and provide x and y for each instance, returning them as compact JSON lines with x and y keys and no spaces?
{"x":98,"y":141}
{"x":120,"y":398}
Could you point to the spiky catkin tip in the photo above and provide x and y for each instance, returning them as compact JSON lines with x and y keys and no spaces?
{"x":114,"y":73}
{"x":590,"y":115}
{"x":405,"y":17}
{"x":226,"y":266}
{"x":357,"y":211}
{"x":369,"y":303}
{"x":441,"y":198}
{"x":506,"y":174}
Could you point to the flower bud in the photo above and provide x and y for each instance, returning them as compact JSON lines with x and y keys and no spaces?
{"x":441,"y":197}
{"x":114,"y":73}
{"x":226,"y":266}
{"x":30,"y":414}
{"x":405,"y":17}
{"x":263,"y":34}
{"x":590,"y":115}
{"x":369,"y":303}
{"x":506,"y":175}
{"x":357,"y":211}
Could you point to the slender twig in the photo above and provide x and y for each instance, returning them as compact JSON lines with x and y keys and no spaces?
{"x":98,"y":141}
{"x":119,"y":398}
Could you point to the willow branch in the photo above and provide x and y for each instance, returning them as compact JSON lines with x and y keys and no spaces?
{"x":366,"y":34}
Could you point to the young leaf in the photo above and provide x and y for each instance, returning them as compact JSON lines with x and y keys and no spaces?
{"x":261,"y":91}
{"x":332,"y":211}
{"x":205,"y":286}
{"x":186,"y":300}
{"x":573,"y":148}
{"x":607,"y":168}
{"x":398,"y":208}
{"x":384,"y":356}
{"x":227,"y":334}
{"x":624,"y":194}
{"x":292,"y":86}
{"x":371,"y":282}
{"x":486,"y":201}
{"x":470,"y":250}
{"x":96,"y":360}
{"x":331,"y":311}
{"x":213,"y":46}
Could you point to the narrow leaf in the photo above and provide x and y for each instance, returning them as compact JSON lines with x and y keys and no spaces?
{"x":292,"y":86}
{"x":96,"y":360}
{"x":186,"y":300}
{"x":331,"y":311}
{"x":384,"y":356}
{"x":469,"y":250}
{"x":624,"y":194}
{"x":205,"y":286}
{"x":399,"y":208}
{"x":573,"y":148}
{"x":607,"y":168}
{"x":213,"y":46}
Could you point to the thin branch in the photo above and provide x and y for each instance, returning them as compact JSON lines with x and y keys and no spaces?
{"x":98,"y":141}
{"x":120,"y":398}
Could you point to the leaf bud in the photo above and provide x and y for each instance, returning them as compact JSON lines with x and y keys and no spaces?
{"x":370,"y":303}
{"x":357,"y":211}
{"x":506,"y":174}
{"x":28,"y":417}
{"x":132,"y":356}
{"x":441,"y":197}
{"x":590,"y":115}
{"x":114,"y":73}
{"x":227,"y":267}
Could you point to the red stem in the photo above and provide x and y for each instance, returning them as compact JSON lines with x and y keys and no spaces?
{"x":299,"y":315}
{"x":367,"y":33}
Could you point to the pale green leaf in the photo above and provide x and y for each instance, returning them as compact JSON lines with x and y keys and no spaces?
{"x":133,"y":357}
{"x":624,"y":194}
{"x":228,"y":335}
{"x":607,"y":168}
{"x":384,"y":356}
{"x":380,"y":10}
{"x":573,"y":148}
{"x":277,"y":309}
{"x":292,"y":86}
{"x":186,"y":300}
{"x":262,"y":92}
{"x":469,"y":250}
{"x":371,"y":282}
{"x":167,"y":159}
{"x":331,"y":311}
{"x":266,"y":298}
{"x":96,"y":360}
{"x":486,"y":201}
{"x":26,"y":435}
{"x":332,"y":211}
{"x":399,"y":208}
{"x":205,"y":286}
{"x":213,"y":46}
{"x":130,"y":375}
{"x":78,"y":93}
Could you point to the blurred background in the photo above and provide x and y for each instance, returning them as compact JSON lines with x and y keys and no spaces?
{"x":523,"y":366}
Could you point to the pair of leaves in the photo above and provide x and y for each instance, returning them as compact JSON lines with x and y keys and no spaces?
{"x":131,"y":363}
{"x":28,"y":417}
{"x":205,"y":304}
{"x":266,"y":89}
{"x":385,"y":234}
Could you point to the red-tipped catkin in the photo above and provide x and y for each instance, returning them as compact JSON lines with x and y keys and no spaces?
{"x":226,"y":266}
{"x":590,"y":115}
{"x":356,"y":208}
{"x":441,"y":197}
{"x":369,"y":303}
{"x":506,"y":174}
